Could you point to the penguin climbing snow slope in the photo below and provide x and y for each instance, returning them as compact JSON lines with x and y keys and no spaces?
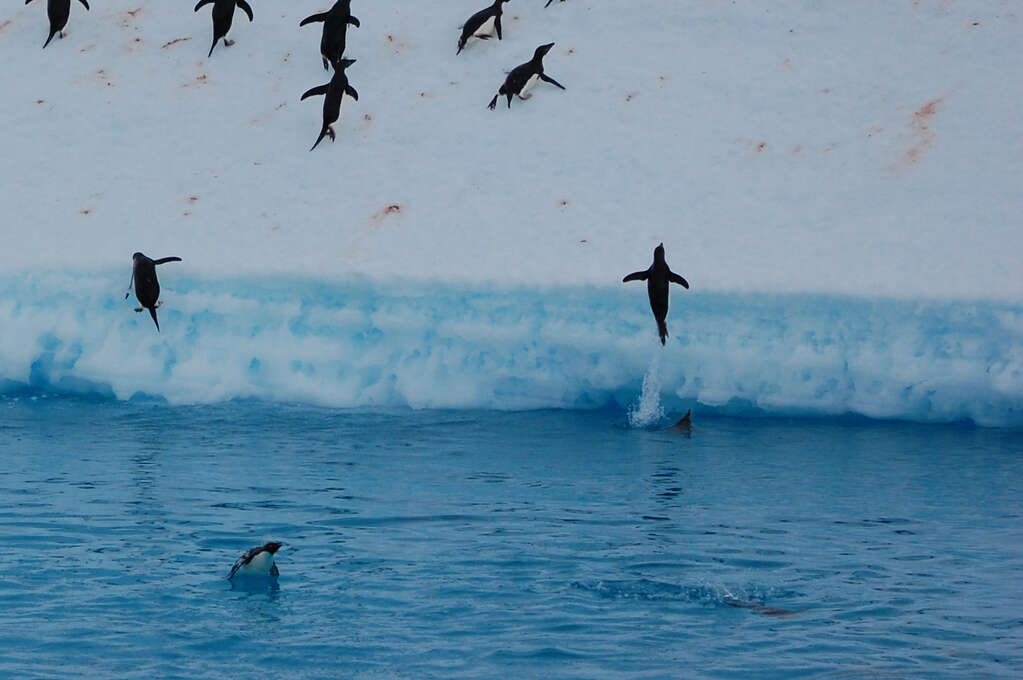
{"x":657,"y":278}
{"x":333,"y":93}
{"x":58,"y":12}
{"x":223,"y":15}
{"x":522,"y":78}
{"x":482,"y":25}
{"x":335,"y":30}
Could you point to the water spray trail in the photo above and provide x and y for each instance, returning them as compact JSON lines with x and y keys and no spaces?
{"x":648,"y":410}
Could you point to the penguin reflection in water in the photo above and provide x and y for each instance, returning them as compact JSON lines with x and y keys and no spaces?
{"x":657,"y":278}
{"x":147,"y":287}
{"x":58,"y":12}
{"x":522,"y":78}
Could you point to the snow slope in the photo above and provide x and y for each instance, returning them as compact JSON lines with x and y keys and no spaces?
{"x":847,"y":171}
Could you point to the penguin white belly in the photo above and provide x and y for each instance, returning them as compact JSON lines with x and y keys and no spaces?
{"x":487,"y":28}
{"x":530,"y":84}
{"x":260,"y":565}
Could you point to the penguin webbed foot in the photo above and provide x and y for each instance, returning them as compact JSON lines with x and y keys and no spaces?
{"x":330,"y":133}
{"x":228,"y":43}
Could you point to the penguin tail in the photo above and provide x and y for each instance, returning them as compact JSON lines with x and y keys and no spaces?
{"x":52,"y":33}
{"x":662,"y":330}
{"x":493,"y":102}
{"x":211,"y":48}
{"x":323,"y":133}
{"x":152,"y":313}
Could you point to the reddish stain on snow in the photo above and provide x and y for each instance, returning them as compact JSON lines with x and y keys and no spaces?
{"x":632,"y":95}
{"x":193,"y":199}
{"x":921,"y":135}
{"x":85,"y":212}
{"x":173,"y":42}
{"x":761,"y":146}
{"x":40,"y":101}
{"x":797,"y":149}
{"x":381,"y":215}
{"x":5,"y":25}
{"x":563,"y":203}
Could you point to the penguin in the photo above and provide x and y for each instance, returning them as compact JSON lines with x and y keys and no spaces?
{"x":147,"y":288}
{"x":523,"y":77}
{"x":58,"y":11}
{"x":657,"y":278}
{"x":482,"y":25}
{"x":335,"y":90}
{"x":223,"y":14}
{"x":335,"y":30}
{"x":258,"y":562}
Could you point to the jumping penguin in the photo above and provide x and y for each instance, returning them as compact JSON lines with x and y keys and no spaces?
{"x":482,"y":25}
{"x":223,"y":15}
{"x":58,"y":11}
{"x":335,"y":30}
{"x":657,"y":278}
{"x":522,"y":78}
{"x":335,"y":90}
{"x":147,"y":287}
{"x":257,"y":562}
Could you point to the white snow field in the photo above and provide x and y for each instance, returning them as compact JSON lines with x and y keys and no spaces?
{"x":840,"y":182}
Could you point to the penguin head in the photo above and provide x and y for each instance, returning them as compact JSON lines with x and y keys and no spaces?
{"x":135,"y":256}
{"x":659,"y":253}
{"x":542,"y":50}
{"x":272,"y":547}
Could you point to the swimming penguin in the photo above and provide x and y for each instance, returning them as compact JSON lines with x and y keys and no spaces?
{"x":258,"y":562}
{"x":522,"y":78}
{"x":335,"y":90}
{"x":335,"y":30}
{"x":223,"y":14}
{"x":657,"y":279}
{"x":58,"y":11}
{"x":482,"y":25}
{"x":147,"y":288}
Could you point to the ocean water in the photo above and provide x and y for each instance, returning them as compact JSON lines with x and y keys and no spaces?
{"x":542,"y":544}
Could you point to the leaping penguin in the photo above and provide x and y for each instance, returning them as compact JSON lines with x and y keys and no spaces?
{"x":334,"y":91}
{"x":482,"y":25}
{"x":657,"y":278}
{"x":523,"y":77}
{"x":223,"y":15}
{"x":335,"y":30}
{"x":58,"y":11}
{"x":147,"y":287}
{"x":257,"y":562}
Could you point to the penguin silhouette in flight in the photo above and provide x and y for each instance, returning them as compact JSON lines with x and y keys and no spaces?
{"x":482,"y":25}
{"x":333,"y":93}
{"x":223,"y":15}
{"x":147,"y":287}
{"x":58,"y":12}
{"x":522,"y":78}
{"x":335,"y":30}
{"x":657,"y":278}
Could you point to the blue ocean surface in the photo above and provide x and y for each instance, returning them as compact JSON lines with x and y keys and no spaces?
{"x":483,"y":544}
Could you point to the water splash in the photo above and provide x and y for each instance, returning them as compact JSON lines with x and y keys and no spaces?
{"x":649,"y":410}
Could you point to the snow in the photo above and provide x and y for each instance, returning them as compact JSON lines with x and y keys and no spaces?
{"x":845,"y":171}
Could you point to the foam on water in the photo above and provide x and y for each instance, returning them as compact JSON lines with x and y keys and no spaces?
{"x":441,"y":346}
{"x":648,"y":410}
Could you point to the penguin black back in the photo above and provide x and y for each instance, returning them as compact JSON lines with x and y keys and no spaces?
{"x":333,"y":92}
{"x":58,"y":12}
{"x":147,"y":286}
{"x":482,"y":25}
{"x":223,"y":16}
{"x":522,"y":78}
{"x":335,"y":30}
{"x":657,"y":278}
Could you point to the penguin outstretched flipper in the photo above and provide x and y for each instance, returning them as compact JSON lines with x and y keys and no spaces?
{"x":315,"y":91}
{"x":165,"y":260}
{"x":547,"y":79}
{"x":637,"y":276}
{"x":312,"y":19}
{"x":351,"y":92}
{"x":245,"y":8}
{"x":675,"y":278}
